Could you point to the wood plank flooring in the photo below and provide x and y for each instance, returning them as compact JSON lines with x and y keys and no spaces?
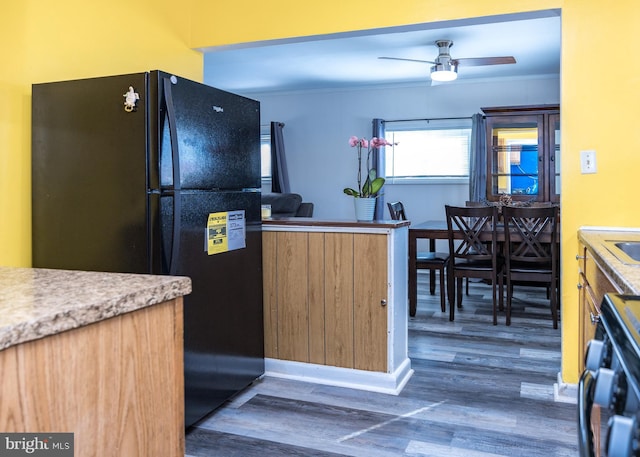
{"x":478,"y":391}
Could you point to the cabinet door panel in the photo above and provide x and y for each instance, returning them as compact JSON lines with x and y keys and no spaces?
{"x":370,"y":291}
{"x":269,"y":300}
{"x":598,"y":280}
{"x":316,"y":299}
{"x":292,"y":293}
{"x":554,"y":157}
{"x":515,"y":149}
{"x":594,"y":284}
{"x":588,"y":309}
{"x":339,"y":266}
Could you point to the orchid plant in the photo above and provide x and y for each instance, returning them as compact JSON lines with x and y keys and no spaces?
{"x":372,"y":183}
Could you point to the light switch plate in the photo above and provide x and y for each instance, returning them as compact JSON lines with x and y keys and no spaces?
{"x":588,"y":161}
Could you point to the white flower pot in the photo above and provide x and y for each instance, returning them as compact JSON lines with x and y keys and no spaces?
{"x":365,"y":207}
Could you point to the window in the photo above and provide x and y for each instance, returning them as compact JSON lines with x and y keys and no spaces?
{"x":428,"y":150}
{"x":265,"y":156}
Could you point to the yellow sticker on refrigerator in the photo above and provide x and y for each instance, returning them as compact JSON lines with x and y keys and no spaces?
{"x":226,"y":231}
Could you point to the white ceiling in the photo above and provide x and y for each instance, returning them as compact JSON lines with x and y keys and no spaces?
{"x":350,"y":59}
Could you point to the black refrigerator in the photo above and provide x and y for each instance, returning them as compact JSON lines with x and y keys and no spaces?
{"x":153,"y":173}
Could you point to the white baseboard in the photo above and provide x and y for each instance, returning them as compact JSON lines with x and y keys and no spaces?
{"x":564,"y":392}
{"x":388,"y":383}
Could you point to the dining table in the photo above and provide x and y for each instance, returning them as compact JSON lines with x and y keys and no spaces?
{"x":431,"y":230}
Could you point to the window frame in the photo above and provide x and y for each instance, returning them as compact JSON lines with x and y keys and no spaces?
{"x":428,"y":124}
{"x":265,"y":140}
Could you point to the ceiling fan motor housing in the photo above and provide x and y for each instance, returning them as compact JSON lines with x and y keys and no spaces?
{"x":443,"y":51}
{"x":445,"y":69}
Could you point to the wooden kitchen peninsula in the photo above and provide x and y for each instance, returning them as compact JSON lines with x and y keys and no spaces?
{"x":99,"y":355}
{"x":335,"y":302}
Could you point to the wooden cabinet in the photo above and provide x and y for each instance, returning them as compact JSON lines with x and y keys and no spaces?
{"x":593,"y":284}
{"x":117,"y":384}
{"x":523,"y":152}
{"x":319,"y":308}
{"x":370,"y":292}
{"x":336,"y":297}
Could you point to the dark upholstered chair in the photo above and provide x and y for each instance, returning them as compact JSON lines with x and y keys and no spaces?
{"x":474,"y":252}
{"x":531,"y":251}
{"x":425,"y":260}
{"x":287,"y":205}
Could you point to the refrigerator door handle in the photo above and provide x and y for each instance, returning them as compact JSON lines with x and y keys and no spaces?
{"x":175,"y":235}
{"x":173,"y":132}
{"x":175,"y":160}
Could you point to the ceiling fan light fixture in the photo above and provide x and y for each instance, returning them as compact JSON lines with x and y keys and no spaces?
{"x":444,"y":72}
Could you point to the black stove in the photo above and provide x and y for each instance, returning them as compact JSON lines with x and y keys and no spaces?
{"x":612,"y":380}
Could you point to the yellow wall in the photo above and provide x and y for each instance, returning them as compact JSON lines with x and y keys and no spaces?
{"x":599,"y":111}
{"x":599,"y":96}
{"x":68,"y":39}
{"x":599,"y":88}
{"x":248,"y":20}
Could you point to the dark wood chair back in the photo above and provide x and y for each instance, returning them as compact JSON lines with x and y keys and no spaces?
{"x":532,"y":250}
{"x":396,"y":210}
{"x":531,"y":235}
{"x":473,"y":250}
{"x":476,"y":229}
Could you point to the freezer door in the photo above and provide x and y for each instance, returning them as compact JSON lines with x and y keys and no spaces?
{"x":208,"y":138}
{"x":89,"y":175}
{"x":223,"y":324}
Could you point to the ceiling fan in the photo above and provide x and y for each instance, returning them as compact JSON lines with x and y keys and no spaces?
{"x":446,"y":69}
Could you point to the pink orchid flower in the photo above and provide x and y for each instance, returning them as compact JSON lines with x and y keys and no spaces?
{"x":373,"y":183}
{"x":361,"y":142}
{"x":379,"y":142}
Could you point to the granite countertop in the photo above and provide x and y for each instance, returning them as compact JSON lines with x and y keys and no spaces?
{"x":35,"y":303}
{"x":626,"y":276}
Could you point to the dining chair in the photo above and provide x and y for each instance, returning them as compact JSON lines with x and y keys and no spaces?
{"x":432,"y":261}
{"x":532,"y":251}
{"x":396,"y":211}
{"x":474,"y":252}
{"x":472,"y":203}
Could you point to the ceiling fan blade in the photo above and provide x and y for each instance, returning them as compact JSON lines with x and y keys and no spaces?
{"x":478,"y":61}
{"x":407,"y":60}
